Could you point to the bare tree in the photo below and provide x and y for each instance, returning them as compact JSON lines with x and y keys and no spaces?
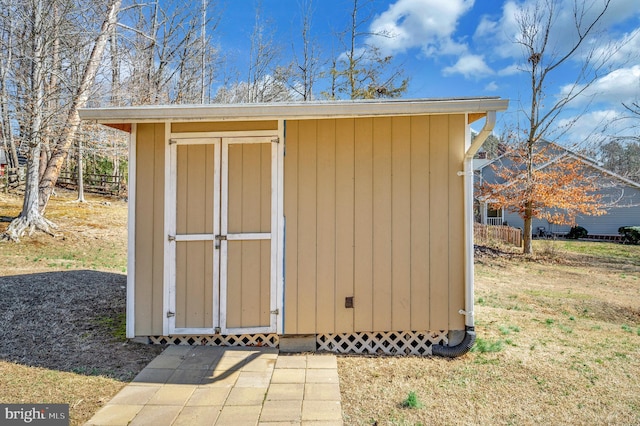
{"x":263,"y":75}
{"x":171,"y":55}
{"x":38,"y":191}
{"x":544,"y":52}
{"x":265,"y":81}
{"x":622,"y":157}
{"x":6,"y":65}
{"x":305,"y":69}
{"x":361,"y":71}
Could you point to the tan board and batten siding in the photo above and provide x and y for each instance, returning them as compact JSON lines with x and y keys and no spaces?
{"x":374,"y":211}
{"x":149,"y":228}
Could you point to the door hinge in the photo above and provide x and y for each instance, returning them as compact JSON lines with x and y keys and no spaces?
{"x":221,"y":238}
{"x":275,"y":312}
{"x":170,"y":314}
{"x":171,"y":237}
{"x":173,"y":141}
{"x":275,"y":140}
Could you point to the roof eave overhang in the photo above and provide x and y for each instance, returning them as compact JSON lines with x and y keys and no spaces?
{"x":292,"y":111}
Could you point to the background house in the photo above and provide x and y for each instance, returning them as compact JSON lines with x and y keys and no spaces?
{"x":620,"y":195}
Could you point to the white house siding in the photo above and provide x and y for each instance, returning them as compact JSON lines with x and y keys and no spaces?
{"x":628,"y":214}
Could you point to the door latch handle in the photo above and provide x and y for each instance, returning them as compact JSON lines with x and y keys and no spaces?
{"x":218,"y":239}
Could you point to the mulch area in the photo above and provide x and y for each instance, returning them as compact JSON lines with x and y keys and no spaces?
{"x":69,"y":321}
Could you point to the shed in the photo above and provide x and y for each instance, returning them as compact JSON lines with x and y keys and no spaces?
{"x":344,"y":226}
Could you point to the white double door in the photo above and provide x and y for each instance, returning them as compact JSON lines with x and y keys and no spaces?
{"x":221,"y":223}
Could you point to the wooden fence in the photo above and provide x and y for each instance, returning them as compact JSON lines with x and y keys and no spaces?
{"x":10,"y":178}
{"x":114,"y":185}
{"x":506,"y":234}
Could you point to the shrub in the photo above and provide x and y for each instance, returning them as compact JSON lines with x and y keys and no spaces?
{"x":630,"y":234}
{"x":577,"y":232}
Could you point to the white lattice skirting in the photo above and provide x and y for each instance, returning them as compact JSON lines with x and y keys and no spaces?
{"x":268,"y":340}
{"x":387,"y":343}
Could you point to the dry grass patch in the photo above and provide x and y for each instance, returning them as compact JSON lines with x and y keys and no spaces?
{"x":84,"y":394}
{"x":62,"y":308}
{"x":91,"y":235}
{"x":558,"y":343}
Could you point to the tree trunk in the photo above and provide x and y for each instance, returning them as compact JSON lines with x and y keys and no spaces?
{"x":528,"y":228}
{"x":80,"y":174}
{"x":30,"y":217}
{"x":5,"y":66}
{"x":61,"y":150}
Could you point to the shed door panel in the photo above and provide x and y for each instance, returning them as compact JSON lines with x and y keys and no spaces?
{"x":194,"y":294}
{"x":247,"y":208}
{"x":195,"y":213}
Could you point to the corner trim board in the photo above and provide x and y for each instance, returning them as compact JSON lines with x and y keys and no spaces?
{"x":131,"y":238}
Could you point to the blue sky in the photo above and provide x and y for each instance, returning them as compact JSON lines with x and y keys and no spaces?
{"x":452,"y":48}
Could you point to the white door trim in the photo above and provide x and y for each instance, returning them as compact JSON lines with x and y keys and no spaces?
{"x":168,"y":302}
{"x":172,"y":140}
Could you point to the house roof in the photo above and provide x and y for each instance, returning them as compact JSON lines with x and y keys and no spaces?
{"x":295,"y":110}
{"x":566,"y":153}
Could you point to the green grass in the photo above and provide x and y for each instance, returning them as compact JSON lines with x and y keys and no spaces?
{"x":116,"y":326}
{"x":509,"y":329}
{"x":487,"y":346}
{"x":412,"y":401}
{"x":607,"y":252}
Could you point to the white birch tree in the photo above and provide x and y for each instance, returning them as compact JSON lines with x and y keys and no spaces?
{"x":38,"y":191}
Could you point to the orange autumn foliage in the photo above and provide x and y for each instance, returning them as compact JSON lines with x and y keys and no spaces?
{"x":558,"y":187}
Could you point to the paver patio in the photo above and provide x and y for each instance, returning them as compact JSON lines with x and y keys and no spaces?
{"x":208,"y":385}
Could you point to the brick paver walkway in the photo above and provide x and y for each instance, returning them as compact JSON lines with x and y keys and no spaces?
{"x":206,"y":385}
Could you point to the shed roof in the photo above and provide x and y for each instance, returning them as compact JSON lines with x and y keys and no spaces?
{"x":294,"y":110}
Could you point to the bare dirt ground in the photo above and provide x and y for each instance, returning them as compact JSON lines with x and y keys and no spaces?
{"x":69,"y":321}
{"x":62,"y":309}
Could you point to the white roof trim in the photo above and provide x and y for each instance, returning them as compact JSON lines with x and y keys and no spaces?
{"x":599,"y":168}
{"x":297,"y":110}
{"x":575,"y":156}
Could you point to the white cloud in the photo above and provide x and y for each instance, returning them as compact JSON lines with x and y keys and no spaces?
{"x":470,"y":66}
{"x":623,"y":50}
{"x":502,"y":32}
{"x":510,"y":70}
{"x":491,"y":87}
{"x":425,"y":24}
{"x":621,"y":85}
{"x":595,"y":126}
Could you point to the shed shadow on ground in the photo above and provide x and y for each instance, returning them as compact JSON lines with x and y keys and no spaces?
{"x":210,"y":366}
{"x":70,"y":321}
